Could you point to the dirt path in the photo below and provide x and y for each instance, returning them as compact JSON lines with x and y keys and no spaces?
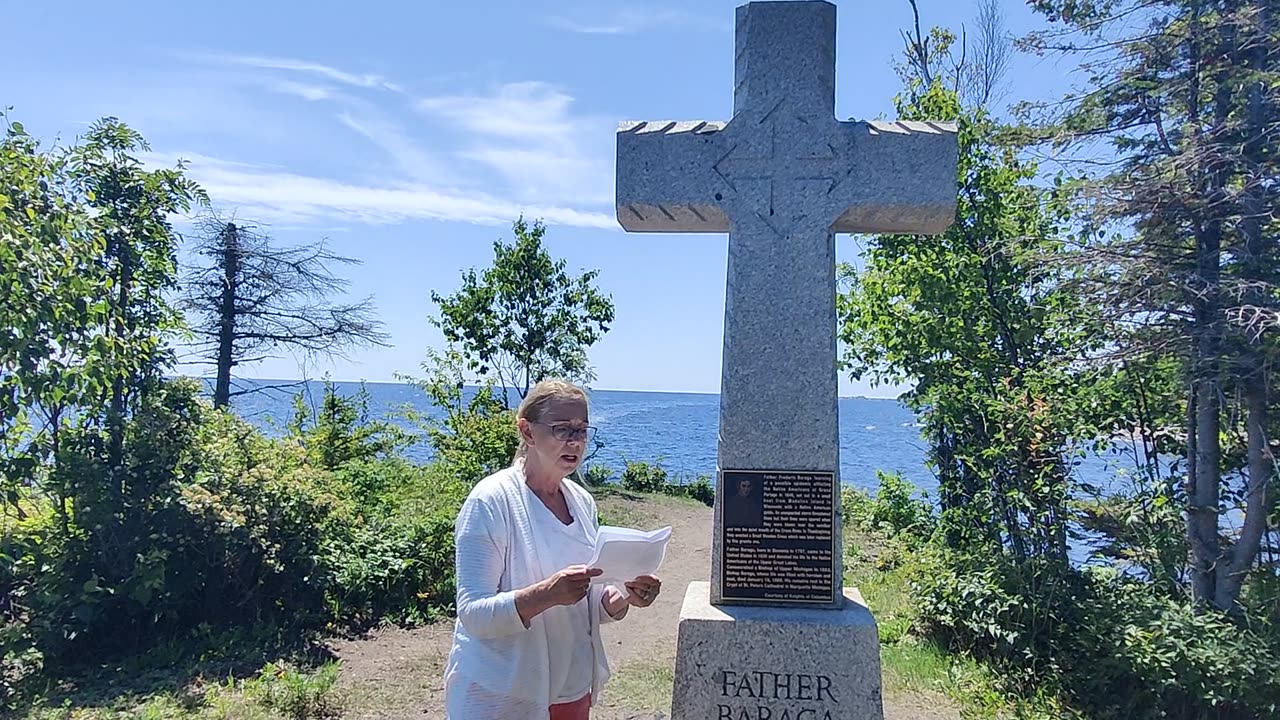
{"x":397,"y":673}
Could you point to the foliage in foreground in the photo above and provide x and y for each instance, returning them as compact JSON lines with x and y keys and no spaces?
{"x":238,"y":531}
{"x":640,"y":476}
{"x":1060,"y":640}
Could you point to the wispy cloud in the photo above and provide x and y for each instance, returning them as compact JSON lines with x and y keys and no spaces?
{"x":271,"y":195}
{"x":302,"y":90}
{"x":386,"y":156}
{"x":388,"y":136}
{"x":362,"y":80}
{"x":518,"y":111}
{"x":627,"y":20}
{"x":527,"y":132}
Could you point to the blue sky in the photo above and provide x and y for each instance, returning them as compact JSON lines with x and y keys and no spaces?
{"x":410,"y":135}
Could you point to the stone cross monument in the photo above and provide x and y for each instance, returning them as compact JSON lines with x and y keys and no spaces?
{"x":781,"y":177}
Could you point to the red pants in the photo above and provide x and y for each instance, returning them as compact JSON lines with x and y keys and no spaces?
{"x":576,"y":710}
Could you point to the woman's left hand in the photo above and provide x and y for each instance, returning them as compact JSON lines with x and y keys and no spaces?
{"x":642,"y":591}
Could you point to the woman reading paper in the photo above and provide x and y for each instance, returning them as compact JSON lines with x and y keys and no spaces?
{"x":526,"y":644}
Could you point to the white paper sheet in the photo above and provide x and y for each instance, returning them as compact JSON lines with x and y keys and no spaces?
{"x":625,"y":553}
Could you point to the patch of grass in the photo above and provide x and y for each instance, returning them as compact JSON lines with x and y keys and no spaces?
{"x":215,"y":703}
{"x":627,"y":509}
{"x":640,"y":686}
{"x":296,"y":693}
{"x":882,"y":569}
{"x":916,"y":667}
{"x":226,"y":676}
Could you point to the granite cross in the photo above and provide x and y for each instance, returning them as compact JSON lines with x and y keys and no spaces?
{"x":780,"y":178}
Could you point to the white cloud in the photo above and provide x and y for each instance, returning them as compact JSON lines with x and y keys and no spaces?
{"x":544,"y":175}
{"x":274,"y":196}
{"x":415,"y":161}
{"x":363,"y":80}
{"x":302,"y":90}
{"x":479,"y":157}
{"x":630,"y":19}
{"x":528,"y":133}
{"x":519,"y":111}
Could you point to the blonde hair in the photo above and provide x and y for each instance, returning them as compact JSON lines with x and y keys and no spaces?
{"x":540,"y":397}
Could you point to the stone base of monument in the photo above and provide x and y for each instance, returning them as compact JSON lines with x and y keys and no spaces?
{"x":769,"y":663}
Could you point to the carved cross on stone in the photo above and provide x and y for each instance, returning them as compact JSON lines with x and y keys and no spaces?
{"x":781,"y":177}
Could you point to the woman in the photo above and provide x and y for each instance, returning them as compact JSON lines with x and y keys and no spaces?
{"x":526,"y":644}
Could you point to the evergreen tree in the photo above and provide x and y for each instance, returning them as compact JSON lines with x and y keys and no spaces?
{"x":1180,"y":241}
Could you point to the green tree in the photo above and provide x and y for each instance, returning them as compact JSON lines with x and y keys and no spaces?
{"x":525,"y":318}
{"x":472,"y":437}
{"x":1181,"y":244}
{"x":340,"y":430}
{"x":978,"y":321}
{"x":87,"y":255}
{"x":50,"y":310}
{"x":131,"y":209}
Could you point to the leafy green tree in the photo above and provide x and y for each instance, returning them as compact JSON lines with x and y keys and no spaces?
{"x":525,"y":318}
{"x":131,"y":209}
{"x":473,"y":436}
{"x":977,"y":320}
{"x":1181,"y":244}
{"x":87,"y":255}
{"x":50,"y":309}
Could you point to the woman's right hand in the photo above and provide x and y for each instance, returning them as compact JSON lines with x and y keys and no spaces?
{"x":569,"y":585}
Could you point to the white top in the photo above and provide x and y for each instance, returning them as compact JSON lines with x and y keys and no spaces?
{"x":498,"y":669}
{"x":566,"y":545}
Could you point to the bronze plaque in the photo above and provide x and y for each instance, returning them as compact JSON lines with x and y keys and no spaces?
{"x":778,"y":536}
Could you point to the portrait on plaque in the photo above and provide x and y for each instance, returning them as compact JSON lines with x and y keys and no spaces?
{"x":744,"y":503}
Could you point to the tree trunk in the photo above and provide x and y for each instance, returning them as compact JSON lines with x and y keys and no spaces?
{"x":1255,"y":273}
{"x":227,"y":323}
{"x":116,"y":408}
{"x":1202,"y":515}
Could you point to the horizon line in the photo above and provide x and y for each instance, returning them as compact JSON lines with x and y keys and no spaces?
{"x":590,"y":388}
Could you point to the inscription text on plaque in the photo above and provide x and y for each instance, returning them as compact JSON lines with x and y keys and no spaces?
{"x":779,"y":536}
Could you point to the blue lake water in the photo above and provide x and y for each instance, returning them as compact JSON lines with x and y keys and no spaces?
{"x":678,"y":430}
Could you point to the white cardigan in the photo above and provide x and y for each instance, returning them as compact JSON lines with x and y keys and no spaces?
{"x":498,"y":669}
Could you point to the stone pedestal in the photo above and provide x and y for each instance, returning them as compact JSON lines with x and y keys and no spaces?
{"x":768,"y":663}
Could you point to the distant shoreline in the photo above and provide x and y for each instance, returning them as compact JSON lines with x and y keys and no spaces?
{"x":593,"y":389}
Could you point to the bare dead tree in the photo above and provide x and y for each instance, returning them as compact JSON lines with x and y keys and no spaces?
{"x":984,"y":76}
{"x":251,"y":301}
{"x":918,"y":49}
{"x":977,"y":77}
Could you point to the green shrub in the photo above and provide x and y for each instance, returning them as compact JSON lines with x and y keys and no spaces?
{"x":21,"y":657}
{"x":1111,"y":646}
{"x":1142,"y":654}
{"x":653,"y":478}
{"x":642,"y":477}
{"x":893,"y":509}
{"x":399,"y":570}
{"x":700,"y":489}
{"x":473,"y":438}
{"x":597,"y":475}
{"x":422,"y":490}
{"x":340,"y":430}
{"x":297,"y":694}
{"x":214,"y":525}
{"x":170,"y":540}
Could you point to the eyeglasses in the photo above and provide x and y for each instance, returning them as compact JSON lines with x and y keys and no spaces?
{"x":566,"y":433}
